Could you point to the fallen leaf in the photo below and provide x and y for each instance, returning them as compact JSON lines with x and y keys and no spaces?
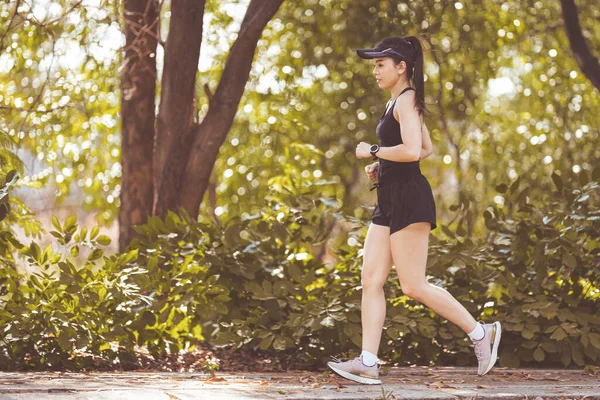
{"x":436,"y":384}
{"x":215,"y":378}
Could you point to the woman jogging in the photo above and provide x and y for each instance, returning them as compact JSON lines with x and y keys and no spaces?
{"x":405,"y":213}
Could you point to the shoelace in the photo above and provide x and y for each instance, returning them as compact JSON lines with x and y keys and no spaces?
{"x":336,"y":359}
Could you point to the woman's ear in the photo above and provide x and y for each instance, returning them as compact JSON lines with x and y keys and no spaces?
{"x":401,"y":67}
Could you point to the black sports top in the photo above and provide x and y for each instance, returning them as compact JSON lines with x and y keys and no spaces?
{"x":388,"y":134}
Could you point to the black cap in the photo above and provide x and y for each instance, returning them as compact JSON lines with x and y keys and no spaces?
{"x":396,"y":47}
{"x":376,"y":53}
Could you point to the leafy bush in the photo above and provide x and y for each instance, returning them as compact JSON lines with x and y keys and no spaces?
{"x":547,"y":289}
{"x":530,"y":273}
{"x":258,"y":283}
{"x":48,"y":314}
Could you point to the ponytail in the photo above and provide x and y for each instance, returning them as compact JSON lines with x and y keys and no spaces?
{"x":418,"y":76}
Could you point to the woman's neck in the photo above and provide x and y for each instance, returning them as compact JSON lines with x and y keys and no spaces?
{"x":397,"y":89}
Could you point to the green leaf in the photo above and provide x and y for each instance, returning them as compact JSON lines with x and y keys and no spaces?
{"x":130,"y":256}
{"x":95,"y":254}
{"x":502,"y":188}
{"x":515,"y":186}
{"x":576,"y":354}
{"x":104,"y":346}
{"x":565,"y":357}
{"x":594,"y":339}
{"x":56,"y":224}
{"x":279,"y":344}
{"x":549,"y":347}
{"x":266,"y":342}
{"x":46,"y":254}
{"x":148,"y":318}
{"x":103,"y":240}
{"x":70,"y":223}
{"x":64,"y":340}
{"x":253,"y":287}
{"x":557,"y":181}
{"x":539,"y":355}
{"x":34,"y":251}
{"x":527,"y":334}
{"x":558,"y":334}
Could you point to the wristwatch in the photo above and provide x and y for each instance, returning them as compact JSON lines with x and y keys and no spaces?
{"x":374,"y":149}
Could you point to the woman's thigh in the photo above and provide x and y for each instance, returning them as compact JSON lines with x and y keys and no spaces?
{"x":377,"y":255}
{"x":409,"y":248}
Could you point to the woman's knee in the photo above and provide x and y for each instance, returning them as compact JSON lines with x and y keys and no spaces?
{"x":372,"y":280}
{"x":415,"y":291}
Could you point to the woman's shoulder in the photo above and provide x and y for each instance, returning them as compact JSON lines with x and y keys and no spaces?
{"x":405,"y":102}
{"x":406,"y":98}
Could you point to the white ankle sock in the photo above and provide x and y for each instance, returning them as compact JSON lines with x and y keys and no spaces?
{"x":478,"y":333}
{"x":369,"y":359}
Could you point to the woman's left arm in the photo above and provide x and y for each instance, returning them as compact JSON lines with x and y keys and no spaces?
{"x":427,"y":147}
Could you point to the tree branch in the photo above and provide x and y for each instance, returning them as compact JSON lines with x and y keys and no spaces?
{"x":10,"y":24}
{"x":585,"y":59}
{"x":212,"y":131}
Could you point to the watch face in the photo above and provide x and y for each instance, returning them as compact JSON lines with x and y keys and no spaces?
{"x":374,"y":147}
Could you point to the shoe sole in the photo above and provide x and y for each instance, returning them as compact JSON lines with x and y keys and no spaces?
{"x":494,"y":356}
{"x":355,"y":378}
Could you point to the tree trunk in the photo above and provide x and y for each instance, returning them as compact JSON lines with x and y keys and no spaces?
{"x":175,"y":116}
{"x":138,"y":90}
{"x":585,"y":59}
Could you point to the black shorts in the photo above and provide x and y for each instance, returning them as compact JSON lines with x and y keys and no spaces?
{"x":405,"y":202}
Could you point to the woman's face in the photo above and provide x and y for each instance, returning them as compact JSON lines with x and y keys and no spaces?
{"x":386,"y":72}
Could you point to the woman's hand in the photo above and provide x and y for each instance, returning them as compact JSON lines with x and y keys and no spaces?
{"x":363,"y":150}
{"x":372,"y":171}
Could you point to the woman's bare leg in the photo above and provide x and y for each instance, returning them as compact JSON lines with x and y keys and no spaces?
{"x":377,"y":263}
{"x":409,"y":248}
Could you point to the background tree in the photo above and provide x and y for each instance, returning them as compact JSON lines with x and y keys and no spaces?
{"x":508,"y":97}
{"x":184,"y":150}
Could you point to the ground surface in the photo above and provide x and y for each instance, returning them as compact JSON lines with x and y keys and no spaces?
{"x":398,"y":383}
